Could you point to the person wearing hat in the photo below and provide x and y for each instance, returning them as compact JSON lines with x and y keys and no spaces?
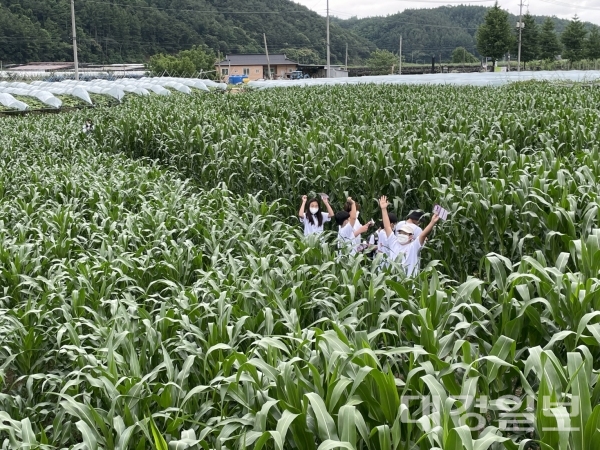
{"x":413,"y":218}
{"x":402,"y":243}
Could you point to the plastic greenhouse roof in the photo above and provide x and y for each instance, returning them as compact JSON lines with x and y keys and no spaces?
{"x":44,"y":90}
{"x":464,"y":79}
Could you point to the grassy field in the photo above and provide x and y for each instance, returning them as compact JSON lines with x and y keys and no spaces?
{"x":157,"y":291}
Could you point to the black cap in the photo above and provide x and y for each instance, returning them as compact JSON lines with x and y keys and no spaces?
{"x":415,"y":215}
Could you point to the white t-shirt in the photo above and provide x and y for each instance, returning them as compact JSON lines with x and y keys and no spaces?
{"x":408,"y":252}
{"x":356,"y":241}
{"x":380,"y":240}
{"x":417,"y":230}
{"x":346,"y":237}
{"x":312,"y":229}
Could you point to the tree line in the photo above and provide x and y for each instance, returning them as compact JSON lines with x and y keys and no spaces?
{"x":178,"y":36}
{"x":496,"y":37}
{"x":133,"y":30}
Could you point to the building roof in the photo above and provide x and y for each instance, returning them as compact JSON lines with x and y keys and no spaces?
{"x":256,"y":60}
{"x":41,"y":66}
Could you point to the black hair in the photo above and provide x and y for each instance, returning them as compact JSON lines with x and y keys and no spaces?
{"x":348,"y":206}
{"x":415,"y":215}
{"x":393,"y":218}
{"x":311,"y":218}
{"x":341,"y":217}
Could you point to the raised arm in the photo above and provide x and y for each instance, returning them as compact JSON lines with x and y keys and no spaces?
{"x":387,"y":226}
{"x":329,"y":208}
{"x":428,"y":228}
{"x":302,"y":207}
{"x":363,"y":229}
{"x":352,"y":218}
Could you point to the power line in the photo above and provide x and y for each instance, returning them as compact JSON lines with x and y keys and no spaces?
{"x":430,"y":25}
{"x":449,"y":3}
{"x":571,"y":5}
{"x":205,"y":11}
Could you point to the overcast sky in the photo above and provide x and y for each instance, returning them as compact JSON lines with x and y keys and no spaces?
{"x":588,"y":10}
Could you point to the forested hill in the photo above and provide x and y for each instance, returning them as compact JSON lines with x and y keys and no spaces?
{"x":111,"y":31}
{"x":427,"y":32}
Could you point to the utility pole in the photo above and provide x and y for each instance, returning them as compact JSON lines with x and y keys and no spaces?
{"x":74,"y":40}
{"x":400,"y":52}
{"x":220,"y":71}
{"x":520,"y":32}
{"x":267,"y":53}
{"x":328,"y":44}
{"x":346,"y":56}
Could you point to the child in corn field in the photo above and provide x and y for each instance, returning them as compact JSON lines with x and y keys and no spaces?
{"x":403,"y":243}
{"x":347,"y":233}
{"x":88,"y":126}
{"x":356,"y":241}
{"x":413,"y":218}
{"x":313,"y":217}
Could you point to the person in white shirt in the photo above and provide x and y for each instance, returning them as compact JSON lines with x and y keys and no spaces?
{"x":312,"y":217}
{"x":347,"y":221}
{"x":413,"y":218}
{"x":357,"y":241}
{"x":402,"y":244}
{"x":88,"y":126}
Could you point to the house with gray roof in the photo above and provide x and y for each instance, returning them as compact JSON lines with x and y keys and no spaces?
{"x":255,"y":66}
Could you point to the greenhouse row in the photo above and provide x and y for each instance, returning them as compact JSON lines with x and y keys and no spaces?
{"x":20,"y":96}
{"x":466,"y":79}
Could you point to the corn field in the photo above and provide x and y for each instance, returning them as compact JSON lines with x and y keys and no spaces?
{"x":157,"y":292}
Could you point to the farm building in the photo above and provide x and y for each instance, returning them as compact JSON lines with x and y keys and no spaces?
{"x":256,"y":66}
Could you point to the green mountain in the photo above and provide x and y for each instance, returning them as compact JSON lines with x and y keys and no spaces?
{"x":427,"y":32}
{"x":113,"y":31}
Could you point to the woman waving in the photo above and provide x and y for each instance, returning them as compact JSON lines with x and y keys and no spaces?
{"x":313,"y":216}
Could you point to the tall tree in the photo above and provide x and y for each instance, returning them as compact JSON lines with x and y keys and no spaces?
{"x":530,"y":39}
{"x":573,"y":38}
{"x":592,"y":44}
{"x":495,"y":37}
{"x":549,"y":44}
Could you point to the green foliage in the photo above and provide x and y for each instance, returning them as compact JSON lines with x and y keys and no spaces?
{"x":592,"y":44}
{"x":302,"y":55}
{"x":573,"y":39}
{"x":146,"y":304}
{"x":461,"y":55}
{"x":133,"y":30}
{"x":550,"y":46}
{"x":429,"y":31}
{"x":187,"y":63}
{"x":382,"y":61}
{"x":530,"y":39}
{"x":495,"y":37}
{"x":425,"y":31}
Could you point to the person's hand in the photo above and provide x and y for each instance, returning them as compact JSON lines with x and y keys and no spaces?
{"x":304,"y":198}
{"x":435,"y":218}
{"x":383,"y":203}
{"x":325,"y":200}
{"x":349,"y":199}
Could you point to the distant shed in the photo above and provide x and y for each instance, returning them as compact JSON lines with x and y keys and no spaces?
{"x":255,"y":66}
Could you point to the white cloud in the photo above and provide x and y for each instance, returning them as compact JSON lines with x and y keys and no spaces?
{"x":586,"y":9}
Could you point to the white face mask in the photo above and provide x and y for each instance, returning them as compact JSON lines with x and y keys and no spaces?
{"x":314,"y":210}
{"x":357,"y":214}
{"x":403,"y":239}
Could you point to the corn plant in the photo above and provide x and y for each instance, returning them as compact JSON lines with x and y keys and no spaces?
{"x":157,"y":291}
